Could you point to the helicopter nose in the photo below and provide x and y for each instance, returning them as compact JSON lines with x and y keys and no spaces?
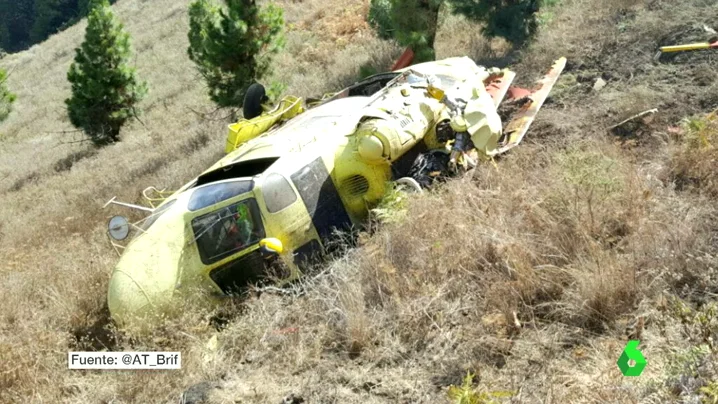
{"x":126,"y":297}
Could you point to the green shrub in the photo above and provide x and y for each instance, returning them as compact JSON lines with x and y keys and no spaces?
{"x":6,"y":97}
{"x":466,"y":394}
{"x":694,"y":164}
{"x":367,"y":70}
{"x":379,"y":18}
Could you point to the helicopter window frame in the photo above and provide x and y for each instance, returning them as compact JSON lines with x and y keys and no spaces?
{"x":277,"y":192}
{"x":216,"y":192}
{"x":152,"y":218}
{"x":204,"y":239}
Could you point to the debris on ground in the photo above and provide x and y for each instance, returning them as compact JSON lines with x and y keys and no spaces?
{"x":599,"y":84}
{"x":634,"y":125}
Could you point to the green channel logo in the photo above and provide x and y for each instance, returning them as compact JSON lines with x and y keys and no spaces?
{"x":631,"y":353}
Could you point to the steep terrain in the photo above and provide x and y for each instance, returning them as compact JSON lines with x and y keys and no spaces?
{"x":533,"y":275}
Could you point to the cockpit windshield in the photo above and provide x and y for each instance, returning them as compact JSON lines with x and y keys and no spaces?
{"x":228,"y":230}
{"x":214,"y":193}
{"x":151,"y":219}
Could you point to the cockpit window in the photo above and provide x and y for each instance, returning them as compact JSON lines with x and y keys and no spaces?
{"x":215,"y":193}
{"x":151,"y":219}
{"x":277,"y":192}
{"x":228,"y":230}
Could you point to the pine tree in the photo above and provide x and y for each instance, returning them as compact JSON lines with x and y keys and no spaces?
{"x":46,"y":13}
{"x":6,"y":97}
{"x":514,"y":20}
{"x":16,"y":17}
{"x":105,"y":90}
{"x":51,"y":15}
{"x":27,"y":22}
{"x":413,"y":23}
{"x":233,"y":46}
{"x":84,"y":6}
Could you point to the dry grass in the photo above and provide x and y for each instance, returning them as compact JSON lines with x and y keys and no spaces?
{"x":176,"y":113}
{"x":695,"y":162}
{"x":584,"y":238}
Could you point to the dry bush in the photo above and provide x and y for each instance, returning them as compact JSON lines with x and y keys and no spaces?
{"x":458,"y":36}
{"x":499,"y":232}
{"x":694,"y":164}
{"x":571,"y":249}
{"x":334,"y":63}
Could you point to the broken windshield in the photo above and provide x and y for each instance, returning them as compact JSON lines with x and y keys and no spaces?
{"x":228,"y":230}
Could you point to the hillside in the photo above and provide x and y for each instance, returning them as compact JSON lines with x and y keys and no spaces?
{"x":587,"y":236}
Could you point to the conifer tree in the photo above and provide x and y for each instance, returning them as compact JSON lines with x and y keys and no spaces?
{"x":232,"y":46}
{"x":105,"y":90}
{"x":24,"y":23}
{"x":6,"y":97}
{"x":16,"y":18}
{"x":513,"y":20}
{"x":413,"y":23}
{"x":48,"y":17}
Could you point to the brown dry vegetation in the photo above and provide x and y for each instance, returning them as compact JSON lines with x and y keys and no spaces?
{"x":586,"y":237}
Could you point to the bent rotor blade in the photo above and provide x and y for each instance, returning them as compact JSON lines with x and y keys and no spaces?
{"x":519,"y":125}
{"x":498,"y":85}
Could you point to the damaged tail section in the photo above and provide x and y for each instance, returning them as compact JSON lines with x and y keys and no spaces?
{"x":532,"y":100}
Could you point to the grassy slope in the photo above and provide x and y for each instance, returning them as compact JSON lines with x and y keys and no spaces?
{"x":580,"y":234}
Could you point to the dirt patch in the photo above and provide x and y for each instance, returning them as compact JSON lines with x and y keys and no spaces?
{"x":618,"y":44}
{"x":24,"y":181}
{"x":66,"y":163}
{"x":150,"y":167}
{"x":194,"y":144}
{"x":199,"y":393}
{"x":99,"y":335}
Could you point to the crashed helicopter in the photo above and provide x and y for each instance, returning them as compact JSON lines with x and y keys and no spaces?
{"x":297,"y":173}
